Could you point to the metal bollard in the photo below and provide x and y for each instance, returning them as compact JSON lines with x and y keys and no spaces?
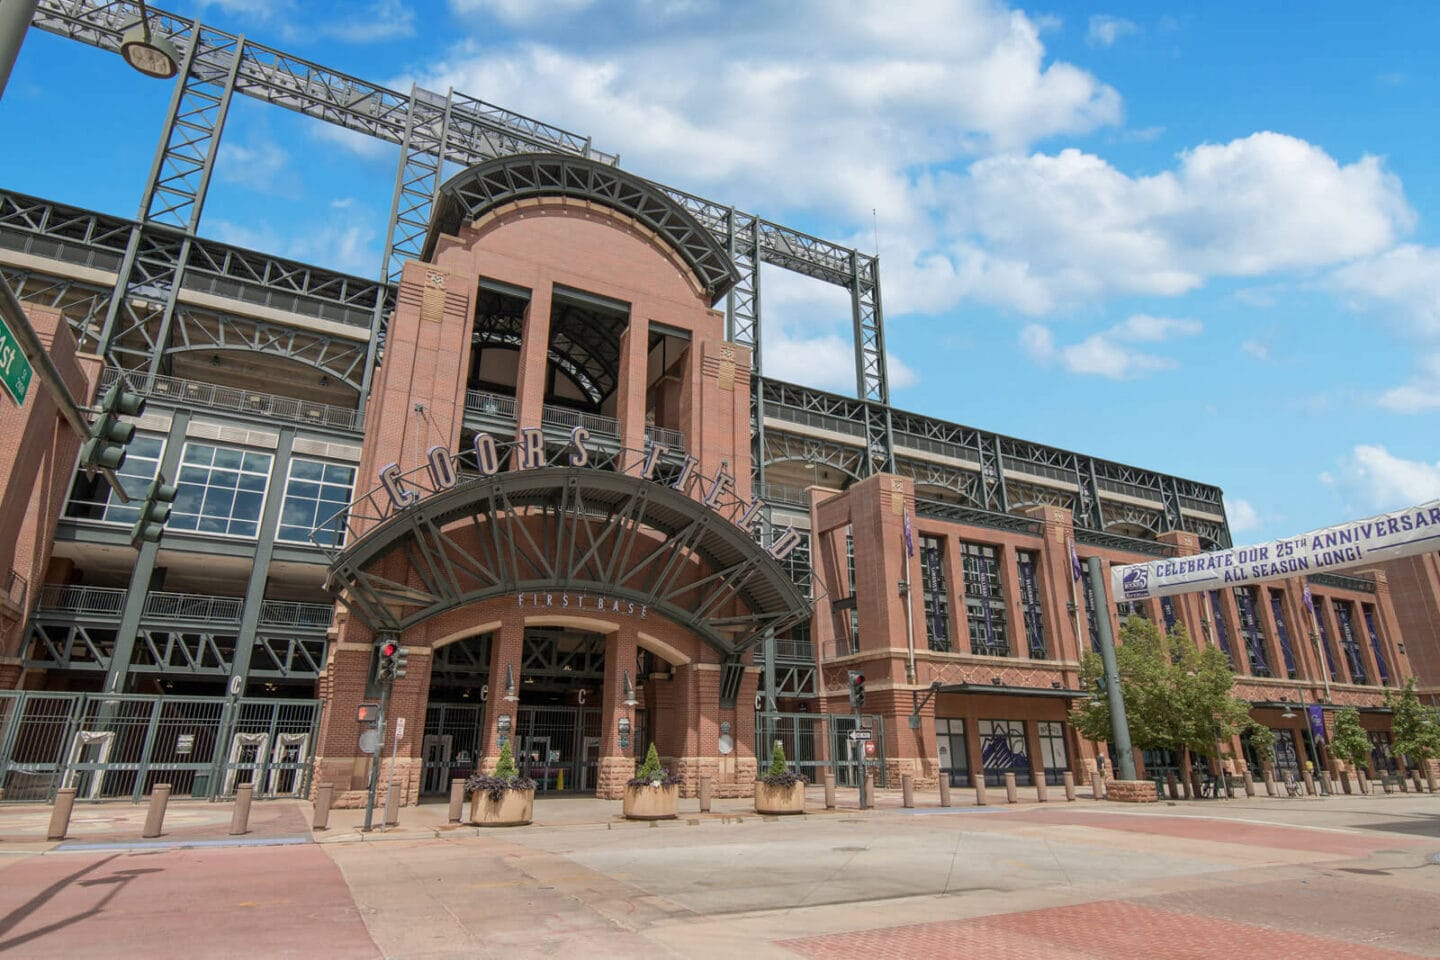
{"x":392,"y":804}
{"x":907,"y":790}
{"x":324,"y":797}
{"x":1309,"y":779}
{"x":1069,"y":785}
{"x":1269,"y":783}
{"x":1010,"y":795}
{"x":1172,"y":785}
{"x":155,"y":816}
{"x":60,"y":816}
{"x":1042,"y":789}
{"x":457,"y":799}
{"x":706,"y":791}
{"x":1249,"y":784}
{"x":240,"y":816}
{"x":944,"y":789}
{"x":979,"y":788}
{"x":828,"y":779}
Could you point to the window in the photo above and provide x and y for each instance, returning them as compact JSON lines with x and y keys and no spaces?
{"x":1277,"y":609}
{"x":1025,"y":563}
{"x":1348,"y":643}
{"x":1222,"y":633}
{"x":1250,"y":631}
{"x":1003,"y":750}
{"x":1380,"y":754}
{"x":1132,"y":608}
{"x":984,"y":600}
{"x":1318,"y":612}
{"x":222,"y":490}
{"x":93,"y":499}
{"x":1052,"y":751}
{"x":954,"y":757}
{"x":1287,"y":757}
{"x":850,"y":573}
{"x":1380,"y":668}
{"x":314,"y":494}
{"x":797,"y":563}
{"x":934,"y":589}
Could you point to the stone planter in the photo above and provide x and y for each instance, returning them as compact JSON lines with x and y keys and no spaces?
{"x":779,"y":800}
{"x":652,"y":802}
{"x":515,"y":808}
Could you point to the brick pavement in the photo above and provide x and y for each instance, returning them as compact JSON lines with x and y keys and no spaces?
{"x":1106,"y":930}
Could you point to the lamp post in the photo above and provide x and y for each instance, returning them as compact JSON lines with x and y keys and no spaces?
{"x":1309,"y":733}
{"x":151,"y":53}
{"x":1119,"y":725}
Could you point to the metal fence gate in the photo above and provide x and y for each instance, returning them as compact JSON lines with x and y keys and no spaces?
{"x":119,"y":746}
{"x":558,"y":746}
{"x":818,"y":743}
{"x":451,"y":744}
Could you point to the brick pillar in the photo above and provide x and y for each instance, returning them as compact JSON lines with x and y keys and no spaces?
{"x":630,"y":391}
{"x":617,"y":764}
{"x":507,"y":649}
{"x":1387,"y":627}
{"x":955,"y":573}
{"x":1055,"y":581}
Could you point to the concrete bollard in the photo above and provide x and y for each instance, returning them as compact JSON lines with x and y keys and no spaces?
{"x":1069,"y":785}
{"x":392,"y":804}
{"x":1309,"y":779}
{"x":60,"y":816}
{"x":457,"y":799}
{"x":155,"y":816}
{"x":1249,"y":784}
{"x":828,"y":780}
{"x":907,"y":790}
{"x":1172,"y":785}
{"x":869,"y":790}
{"x":944,"y":789}
{"x":1186,"y":791}
{"x":1345,"y":784}
{"x":1430,"y":779}
{"x":240,"y":816}
{"x":324,"y":797}
{"x":1269,"y":783}
{"x":1415,"y":777}
{"x":1042,"y":789}
{"x":979,"y":788}
{"x":705,"y":791}
{"x":1010,"y":794}
{"x":1097,"y":786}
{"x":1364,"y":783}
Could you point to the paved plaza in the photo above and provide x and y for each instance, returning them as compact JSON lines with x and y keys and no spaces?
{"x":1352,"y":877}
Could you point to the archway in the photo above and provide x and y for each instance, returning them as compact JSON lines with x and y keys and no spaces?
{"x":455,"y":711}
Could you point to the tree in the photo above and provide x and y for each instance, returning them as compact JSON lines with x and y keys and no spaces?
{"x":1176,"y":694}
{"x":1416,"y":727}
{"x":1350,"y":742}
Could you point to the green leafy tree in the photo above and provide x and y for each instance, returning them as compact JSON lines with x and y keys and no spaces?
{"x":651,"y":769}
{"x":1416,"y":727}
{"x":1349,"y":741}
{"x":777,"y":760}
{"x":1176,"y":694}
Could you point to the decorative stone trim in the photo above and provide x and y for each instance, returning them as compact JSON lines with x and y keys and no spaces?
{"x":1131,"y":791}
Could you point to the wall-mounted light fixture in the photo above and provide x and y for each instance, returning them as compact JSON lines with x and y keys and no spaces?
{"x":510,"y":682}
{"x":630,"y":700}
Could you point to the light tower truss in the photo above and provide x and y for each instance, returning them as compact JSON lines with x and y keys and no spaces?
{"x":432,"y":129}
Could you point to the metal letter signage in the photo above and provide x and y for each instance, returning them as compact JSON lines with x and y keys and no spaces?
{"x":1386,"y":537}
{"x":390,"y":480}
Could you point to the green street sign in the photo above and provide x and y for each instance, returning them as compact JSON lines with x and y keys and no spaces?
{"x":15,"y":370}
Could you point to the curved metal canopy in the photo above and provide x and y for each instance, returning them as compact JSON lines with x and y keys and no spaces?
{"x":468,"y":195}
{"x":571,"y":529}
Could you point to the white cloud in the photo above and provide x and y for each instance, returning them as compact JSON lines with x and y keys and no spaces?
{"x":1241,"y":515}
{"x":1105,"y":30}
{"x":347,"y":239}
{"x":826,"y":362}
{"x":520,"y":11}
{"x":1034,"y":232}
{"x":1256,"y":348}
{"x":263,"y":167}
{"x":1420,"y":394}
{"x":1108,"y":354}
{"x":1403,"y":282}
{"x":380,"y":20}
{"x":1389,"y":482}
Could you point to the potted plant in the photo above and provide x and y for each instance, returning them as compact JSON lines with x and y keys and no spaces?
{"x":780,"y":790}
{"x":652,"y":794}
{"x":503,"y":798}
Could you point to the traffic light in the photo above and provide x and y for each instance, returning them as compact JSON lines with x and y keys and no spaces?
{"x":153,"y":512}
{"x":109,"y":434}
{"x":857,"y":689}
{"x":398,"y":661}
{"x":385,"y":668}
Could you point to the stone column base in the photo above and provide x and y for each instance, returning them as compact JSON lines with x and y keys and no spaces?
{"x":350,"y":795}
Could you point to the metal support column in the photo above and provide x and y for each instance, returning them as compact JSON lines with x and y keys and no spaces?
{"x":144,"y":568}
{"x":1119,"y":726}
{"x":15,"y":17}
{"x":260,"y":563}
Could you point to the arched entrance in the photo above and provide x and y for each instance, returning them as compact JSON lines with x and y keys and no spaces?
{"x":455,"y":712}
{"x":556,"y":736}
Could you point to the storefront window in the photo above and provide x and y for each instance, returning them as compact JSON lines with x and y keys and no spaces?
{"x":985,"y":600}
{"x":954,"y":758}
{"x":222,"y":490}
{"x":1052,"y":751}
{"x":1380,"y":751}
{"x":1003,"y":750}
{"x":314,"y":494}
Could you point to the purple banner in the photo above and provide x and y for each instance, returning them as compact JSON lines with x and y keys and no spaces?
{"x":1317,"y":722}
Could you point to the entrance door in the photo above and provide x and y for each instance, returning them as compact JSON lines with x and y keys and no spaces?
{"x":435,"y":763}
{"x":452,"y":739}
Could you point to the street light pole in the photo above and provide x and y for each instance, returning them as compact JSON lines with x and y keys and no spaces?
{"x":15,"y":17}
{"x":1119,"y":726}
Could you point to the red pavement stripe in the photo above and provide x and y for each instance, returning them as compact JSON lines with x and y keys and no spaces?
{"x":1107,"y":930}
{"x":1228,"y":831}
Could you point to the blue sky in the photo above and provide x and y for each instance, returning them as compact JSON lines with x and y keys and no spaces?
{"x":1201,"y":242}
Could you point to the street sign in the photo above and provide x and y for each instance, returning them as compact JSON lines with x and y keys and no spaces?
{"x":15,"y":370}
{"x":860,"y":734}
{"x":399,"y":728}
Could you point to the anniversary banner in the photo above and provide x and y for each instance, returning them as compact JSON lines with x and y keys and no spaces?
{"x":1356,"y":543}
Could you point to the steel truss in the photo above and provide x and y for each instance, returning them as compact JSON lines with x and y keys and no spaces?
{"x":172,"y":653}
{"x":570,"y":529}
